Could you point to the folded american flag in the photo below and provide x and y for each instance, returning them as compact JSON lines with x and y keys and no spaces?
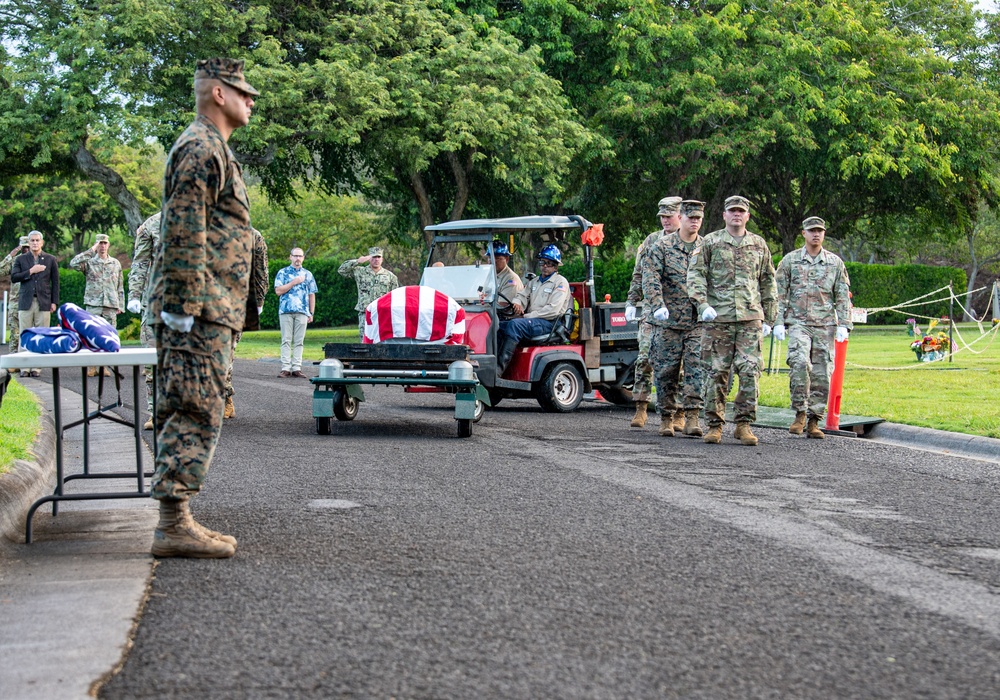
{"x":420,"y":313}
{"x":50,"y":341}
{"x":95,"y":333}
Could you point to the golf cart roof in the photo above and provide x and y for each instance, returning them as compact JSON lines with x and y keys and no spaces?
{"x":511,"y":223}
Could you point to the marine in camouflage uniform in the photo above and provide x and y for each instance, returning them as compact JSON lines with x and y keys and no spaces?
{"x":813,"y":305}
{"x":258,"y":290}
{"x":197,"y":300}
{"x":147,"y":240}
{"x":677,"y":337}
{"x":731,"y":279}
{"x":668,"y":209}
{"x":373,"y":281}
{"x":6,"y":265}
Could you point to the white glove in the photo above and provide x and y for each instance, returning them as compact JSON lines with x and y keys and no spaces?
{"x":661,"y":314}
{"x":779,"y":332}
{"x":765,"y":330}
{"x":260,"y":310}
{"x":709,"y":314}
{"x":181,"y":323}
{"x":842,"y":334}
{"x":134,"y":305}
{"x":629,"y":313}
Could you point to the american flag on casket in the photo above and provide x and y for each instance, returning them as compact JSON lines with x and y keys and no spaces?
{"x":419,"y":313}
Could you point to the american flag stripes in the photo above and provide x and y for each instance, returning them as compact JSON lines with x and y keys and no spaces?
{"x":419,"y":313}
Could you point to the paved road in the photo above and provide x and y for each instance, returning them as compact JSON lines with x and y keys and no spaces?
{"x":570,"y":557}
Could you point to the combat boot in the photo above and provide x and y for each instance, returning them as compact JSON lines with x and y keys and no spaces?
{"x":744,"y":434}
{"x":679,"y":420}
{"x":175,"y":536}
{"x":91,"y":371}
{"x":639,"y":420}
{"x":148,"y":425}
{"x":191,"y":522}
{"x":691,"y":426}
{"x":813,"y":430}
{"x":230,"y":408}
{"x":667,"y":426}
{"x":799,"y":424}
{"x":714,"y":434}
{"x":108,"y":372}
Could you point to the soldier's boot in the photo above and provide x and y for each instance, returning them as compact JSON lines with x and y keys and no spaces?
{"x":91,"y":371}
{"x":679,"y":420}
{"x":108,"y":372}
{"x":148,"y":425}
{"x":745,"y":435}
{"x":666,"y":425}
{"x":191,"y":522}
{"x":639,"y":419}
{"x":799,"y":424}
{"x":230,"y":408}
{"x":175,"y":536}
{"x":714,"y":435}
{"x":813,"y":430}
{"x":691,"y":426}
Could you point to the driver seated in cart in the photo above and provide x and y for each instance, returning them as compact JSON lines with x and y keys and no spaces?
{"x":509,"y":285}
{"x":536,"y":307}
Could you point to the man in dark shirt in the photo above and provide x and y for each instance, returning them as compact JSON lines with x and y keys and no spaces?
{"x":38,"y":274}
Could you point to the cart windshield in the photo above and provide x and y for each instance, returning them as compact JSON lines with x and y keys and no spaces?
{"x":466,"y":284}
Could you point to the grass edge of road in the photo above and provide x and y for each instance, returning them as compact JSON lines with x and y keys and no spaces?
{"x":20,"y":424}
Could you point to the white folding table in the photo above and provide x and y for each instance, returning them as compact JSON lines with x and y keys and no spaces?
{"x":126,"y":357}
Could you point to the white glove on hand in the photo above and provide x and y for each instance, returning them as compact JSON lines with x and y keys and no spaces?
{"x":260,"y":310}
{"x":779,"y":332}
{"x":629,"y":313}
{"x":134,"y":305}
{"x":709,"y":314}
{"x":842,"y":334}
{"x":661,"y":314}
{"x":765,"y":330}
{"x":181,"y":323}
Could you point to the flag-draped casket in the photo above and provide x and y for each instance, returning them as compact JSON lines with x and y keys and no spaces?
{"x":418,"y":313}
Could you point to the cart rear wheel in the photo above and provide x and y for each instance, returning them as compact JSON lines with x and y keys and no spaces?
{"x":480,"y":410}
{"x":464,"y":427}
{"x":345,"y":407}
{"x":562,"y":389}
{"x":324,"y":426}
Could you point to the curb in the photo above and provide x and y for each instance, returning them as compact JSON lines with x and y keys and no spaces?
{"x":941,"y":441}
{"x":28,"y":480}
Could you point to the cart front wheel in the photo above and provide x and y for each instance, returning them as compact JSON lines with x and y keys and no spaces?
{"x":345,"y":407}
{"x":464,"y":427}
{"x":480,"y":410}
{"x":324,"y":426}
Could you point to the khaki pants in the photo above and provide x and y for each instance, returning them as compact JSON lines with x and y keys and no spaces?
{"x":34,"y":318}
{"x":293,"y":339}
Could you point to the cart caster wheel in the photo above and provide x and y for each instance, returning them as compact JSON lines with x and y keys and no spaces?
{"x":479,"y":412}
{"x":324,"y":426}
{"x":345,"y":407}
{"x":464,"y":427}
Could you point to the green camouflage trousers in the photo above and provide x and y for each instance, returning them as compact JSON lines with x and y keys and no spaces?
{"x":148,"y":340}
{"x":726,"y":347}
{"x":810,"y":357}
{"x":669,"y":352}
{"x":106,"y":312}
{"x":643,"y":369}
{"x":229,"y":372}
{"x":191,"y":377}
{"x":13,"y":327}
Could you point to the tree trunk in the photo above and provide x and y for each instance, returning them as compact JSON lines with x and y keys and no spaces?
{"x":461,"y":172}
{"x":423,"y":206}
{"x":113,"y":184}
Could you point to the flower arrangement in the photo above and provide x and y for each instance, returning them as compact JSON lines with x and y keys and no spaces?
{"x":912,"y":323}
{"x":931,"y":347}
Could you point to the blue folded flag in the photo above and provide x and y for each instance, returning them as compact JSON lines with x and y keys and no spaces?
{"x":50,"y":341}
{"x":95,"y":333}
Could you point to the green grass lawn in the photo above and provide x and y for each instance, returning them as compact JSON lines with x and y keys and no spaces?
{"x":19,"y":424}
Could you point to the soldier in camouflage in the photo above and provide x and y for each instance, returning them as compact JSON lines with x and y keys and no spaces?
{"x":147,"y":240}
{"x":6,"y":265}
{"x":373,"y":281}
{"x":197,"y":300}
{"x":258,"y":290}
{"x":676,"y":333}
{"x":814,"y":305}
{"x":668,"y":209}
{"x":104,"y":291}
{"x":731,"y":280}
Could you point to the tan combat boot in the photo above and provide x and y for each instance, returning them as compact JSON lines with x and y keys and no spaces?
{"x":175,"y":536}
{"x":813,"y":430}
{"x":714,"y":434}
{"x":679,"y":420}
{"x":91,"y":371}
{"x":691,"y":426}
{"x":666,"y":426}
{"x":148,"y":425}
{"x":191,"y":522}
{"x":230,"y":408}
{"x":639,"y":420}
{"x":108,"y":372}
{"x":744,"y":434}
{"x":799,"y":424}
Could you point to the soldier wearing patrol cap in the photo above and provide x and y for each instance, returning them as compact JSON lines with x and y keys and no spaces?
{"x":731,"y":279}
{"x":668,"y":210}
{"x":104,"y":291}
{"x":197,"y":299}
{"x":373,"y":281}
{"x":6,"y":265}
{"x":814,"y":305}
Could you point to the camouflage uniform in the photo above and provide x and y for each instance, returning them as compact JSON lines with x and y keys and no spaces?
{"x":813,"y":299}
{"x":678,"y":339}
{"x":13,"y":327}
{"x":643,"y":368}
{"x":258,"y":287}
{"x":201,"y":269}
{"x":371,"y":286}
{"x":104,"y":292}
{"x":147,"y":240}
{"x":736,"y":278}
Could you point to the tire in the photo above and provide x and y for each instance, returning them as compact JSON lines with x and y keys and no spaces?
{"x":620,"y":396}
{"x":345,"y":407}
{"x":561,"y":389}
{"x":324,"y":426}
{"x":495,"y":398}
{"x":480,"y":411}
{"x":464,"y":427}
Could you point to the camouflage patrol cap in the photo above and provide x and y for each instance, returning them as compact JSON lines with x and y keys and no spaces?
{"x":102,"y":238}
{"x":228,"y":70}
{"x":375,"y":250}
{"x":813,"y":222}
{"x":23,"y":241}
{"x":737,"y":201}
{"x":669,"y":205}
{"x":692,"y":206}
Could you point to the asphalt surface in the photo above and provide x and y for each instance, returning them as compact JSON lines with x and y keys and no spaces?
{"x":567,"y":556}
